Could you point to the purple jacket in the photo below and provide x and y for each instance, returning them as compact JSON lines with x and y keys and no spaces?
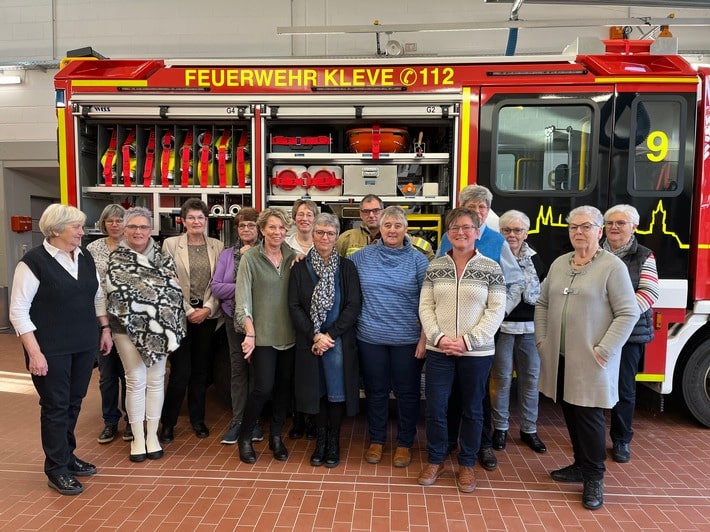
{"x":223,"y":283}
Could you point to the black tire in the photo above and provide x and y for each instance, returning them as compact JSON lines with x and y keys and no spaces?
{"x":696,"y":383}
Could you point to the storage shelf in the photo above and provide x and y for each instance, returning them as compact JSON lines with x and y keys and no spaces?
{"x":351,"y":158}
{"x":432,"y":200}
{"x":189,"y":191}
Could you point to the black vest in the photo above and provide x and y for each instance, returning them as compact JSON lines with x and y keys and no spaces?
{"x":634,"y":259}
{"x":63,"y":308}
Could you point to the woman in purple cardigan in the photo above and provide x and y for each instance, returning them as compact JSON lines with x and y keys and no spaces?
{"x":223,"y":287}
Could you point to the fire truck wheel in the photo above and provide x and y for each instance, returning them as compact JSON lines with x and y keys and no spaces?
{"x":696,"y":383}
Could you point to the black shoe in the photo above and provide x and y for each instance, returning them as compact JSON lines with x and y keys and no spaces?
{"x":533,"y":441}
{"x":201,"y":430}
{"x":138,"y":457}
{"x":299,"y":427}
{"x":246,"y":450}
{"x":332,"y":453}
{"x":277,"y":446}
{"x":128,"y":433}
{"x":488,"y":459}
{"x":499,"y":437}
{"x":621,"y":452}
{"x":79,"y":468}
{"x":593,"y":494}
{"x":232,"y":435}
{"x":166,"y":434}
{"x":318,"y":456}
{"x":108,"y":434}
{"x":571,"y":473}
{"x":257,"y":434}
{"x":64,"y":483}
{"x":155,"y":455}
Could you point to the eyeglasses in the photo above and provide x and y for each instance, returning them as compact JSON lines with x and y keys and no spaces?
{"x":464,"y":228}
{"x":368,"y":212}
{"x":320,"y":233}
{"x":132,"y":227}
{"x":114,"y":222}
{"x":194,"y":219}
{"x":247,"y":225}
{"x":584,"y":227}
{"x":514,"y":230}
{"x":616,"y":223}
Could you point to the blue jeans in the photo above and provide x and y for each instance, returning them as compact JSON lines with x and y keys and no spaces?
{"x":112,"y":385}
{"x":472,"y":373}
{"x":385,"y":368}
{"x":519,"y":349}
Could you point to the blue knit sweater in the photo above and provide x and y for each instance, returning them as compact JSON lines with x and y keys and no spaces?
{"x":391,"y":280}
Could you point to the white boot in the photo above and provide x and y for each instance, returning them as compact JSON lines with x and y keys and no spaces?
{"x":152,"y":444}
{"x":138,"y":452}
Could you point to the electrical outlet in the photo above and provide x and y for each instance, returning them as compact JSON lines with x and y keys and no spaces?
{"x":410,"y":47}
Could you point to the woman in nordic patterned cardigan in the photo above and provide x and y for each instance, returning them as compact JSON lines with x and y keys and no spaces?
{"x":585,"y":313}
{"x":461,"y":307}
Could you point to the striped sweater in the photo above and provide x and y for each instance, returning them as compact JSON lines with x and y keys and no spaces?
{"x":471,"y":307}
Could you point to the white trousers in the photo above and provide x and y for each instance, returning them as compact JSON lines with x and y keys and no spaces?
{"x":145,"y":386}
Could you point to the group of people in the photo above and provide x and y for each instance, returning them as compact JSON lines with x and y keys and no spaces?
{"x":311,"y":314}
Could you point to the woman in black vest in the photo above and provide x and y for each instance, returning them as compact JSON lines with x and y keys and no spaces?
{"x":620,"y":222}
{"x":56,"y":302}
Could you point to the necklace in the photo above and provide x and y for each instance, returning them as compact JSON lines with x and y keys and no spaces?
{"x":276,"y":260}
{"x":583,"y":264}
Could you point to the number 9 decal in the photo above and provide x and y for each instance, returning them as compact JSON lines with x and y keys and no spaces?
{"x":657,"y":144}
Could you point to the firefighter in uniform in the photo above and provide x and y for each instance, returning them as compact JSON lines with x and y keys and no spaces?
{"x":371,"y":207}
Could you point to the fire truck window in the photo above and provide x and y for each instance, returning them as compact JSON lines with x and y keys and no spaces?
{"x":543,"y":148}
{"x":656,"y":163}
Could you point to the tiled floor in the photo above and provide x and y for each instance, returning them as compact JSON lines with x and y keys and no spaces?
{"x":201,"y":485}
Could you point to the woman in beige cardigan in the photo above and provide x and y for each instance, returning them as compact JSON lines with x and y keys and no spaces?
{"x":195,"y":255}
{"x":585,"y":313}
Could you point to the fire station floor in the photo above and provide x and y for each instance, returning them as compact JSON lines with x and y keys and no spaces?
{"x":201,"y":484}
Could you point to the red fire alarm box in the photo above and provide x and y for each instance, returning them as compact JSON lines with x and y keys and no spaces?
{"x":21,"y":224}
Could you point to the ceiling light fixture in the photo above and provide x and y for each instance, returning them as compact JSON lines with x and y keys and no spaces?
{"x":10,"y":79}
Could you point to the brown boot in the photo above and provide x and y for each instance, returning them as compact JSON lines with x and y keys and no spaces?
{"x":374,"y":453}
{"x":402,"y":457}
{"x":465,"y":479}
{"x":430,"y":474}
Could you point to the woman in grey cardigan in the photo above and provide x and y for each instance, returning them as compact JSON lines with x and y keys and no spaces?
{"x":585,"y":313}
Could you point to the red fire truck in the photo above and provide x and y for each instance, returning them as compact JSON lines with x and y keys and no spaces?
{"x":619,"y":124}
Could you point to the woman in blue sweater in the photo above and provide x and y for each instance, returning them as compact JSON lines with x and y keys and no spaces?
{"x":389,"y":335}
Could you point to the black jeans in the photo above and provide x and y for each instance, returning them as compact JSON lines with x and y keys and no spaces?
{"x":622,"y":415}
{"x":61,"y":392}
{"x":191,"y":370}
{"x":273,"y":376}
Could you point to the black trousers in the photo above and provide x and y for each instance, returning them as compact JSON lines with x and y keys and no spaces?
{"x":622,"y":415}
{"x":61,"y":392}
{"x":191,"y":370}
{"x":273,"y":378}
{"x":587,"y":431}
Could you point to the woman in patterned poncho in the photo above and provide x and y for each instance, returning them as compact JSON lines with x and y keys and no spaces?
{"x":147,"y":317}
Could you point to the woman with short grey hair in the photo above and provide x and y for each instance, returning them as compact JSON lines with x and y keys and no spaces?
{"x":58,"y":310}
{"x":112,"y":379}
{"x":515,"y":343}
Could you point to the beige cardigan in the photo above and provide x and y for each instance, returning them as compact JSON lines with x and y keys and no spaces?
{"x":176,"y":246}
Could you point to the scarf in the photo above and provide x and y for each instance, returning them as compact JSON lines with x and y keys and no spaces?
{"x":623,"y":250}
{"x":146,"y":299}
{"x":324,"y":291}
{"x":532,"y":282}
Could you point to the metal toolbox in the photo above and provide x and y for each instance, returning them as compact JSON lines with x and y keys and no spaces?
{"x":359,"y":180}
